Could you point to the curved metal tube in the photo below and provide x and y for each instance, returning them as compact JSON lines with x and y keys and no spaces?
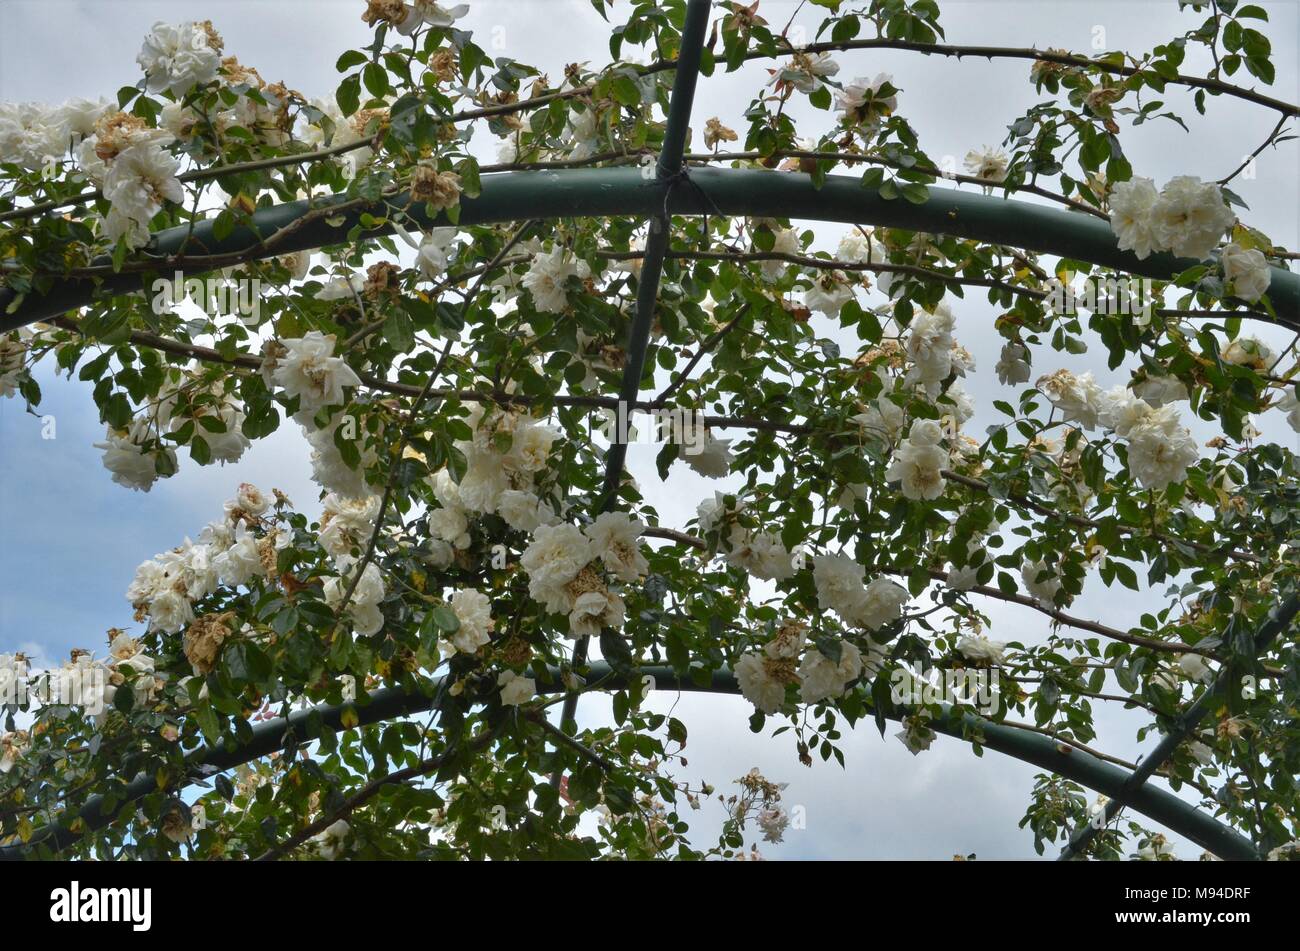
{"x":389,"y":703}
{"x":607,"y":192}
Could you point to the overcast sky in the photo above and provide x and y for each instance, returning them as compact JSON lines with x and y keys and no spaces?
{"x":73,"y":539}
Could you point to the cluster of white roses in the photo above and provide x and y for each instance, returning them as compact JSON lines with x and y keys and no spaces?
{"x":229,"y":552}
{"x":83,"y":681}
{"x":115,"y":150}
{"x":346,"y":524}
{"x":363,"y":607}
{"x":933,"y":352}
{"x":306,"y":368}
{"x":935,"y":364}
{"x":135,"y":455}
{"x":138,"y":181}
{"x":564,"y":566}
{"x":832,"y":289}
{"x":1160,"y":449}
{"x":179,"y":58}
{"x":502,"y":464}
{"x":840,"y":588}
{"x":507,"y":454}
{"x":919,"y":461}
{"x":758,"y":552}
{"x":328,"y":127}
{"x":33,"y":135}
{"x":1188,"y":216}
{"x":764,"y":675}
{"x":125,"y":653}
{"x":449,"y":524}
{"x":130,"y":161}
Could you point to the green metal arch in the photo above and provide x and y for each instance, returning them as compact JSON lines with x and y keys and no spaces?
{"x":389,"y":703}
{"x":673,"y":190}
{"x":607,"y":192}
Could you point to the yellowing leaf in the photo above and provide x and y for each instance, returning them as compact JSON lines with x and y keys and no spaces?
{"x":349,"y":717}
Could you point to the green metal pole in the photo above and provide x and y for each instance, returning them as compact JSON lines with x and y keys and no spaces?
{"x":389,"y":703}
{"x":667,"y":169}
{"x":647,"y":293}
{"x":609,"y":192}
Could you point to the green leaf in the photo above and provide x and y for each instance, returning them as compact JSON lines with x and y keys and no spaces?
{"x":445,"y":619}
{"x":399,"y":331}
{"x":625,"y":90}
{"x":376,"y":80}
{"x":117,"y":411}
{"x":615,"y":649}
{"x":207,"y":720}
{"x":223,"y":225}
{"x":246,"y":662}
{"x":348,"y":94}
{"x":349,"y":59}
{"x":285,"y":621}
{"x":200,"y":451}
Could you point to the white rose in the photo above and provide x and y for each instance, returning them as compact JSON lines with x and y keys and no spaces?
{"x":1247,"y":271}
{"x":515,"y":689}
